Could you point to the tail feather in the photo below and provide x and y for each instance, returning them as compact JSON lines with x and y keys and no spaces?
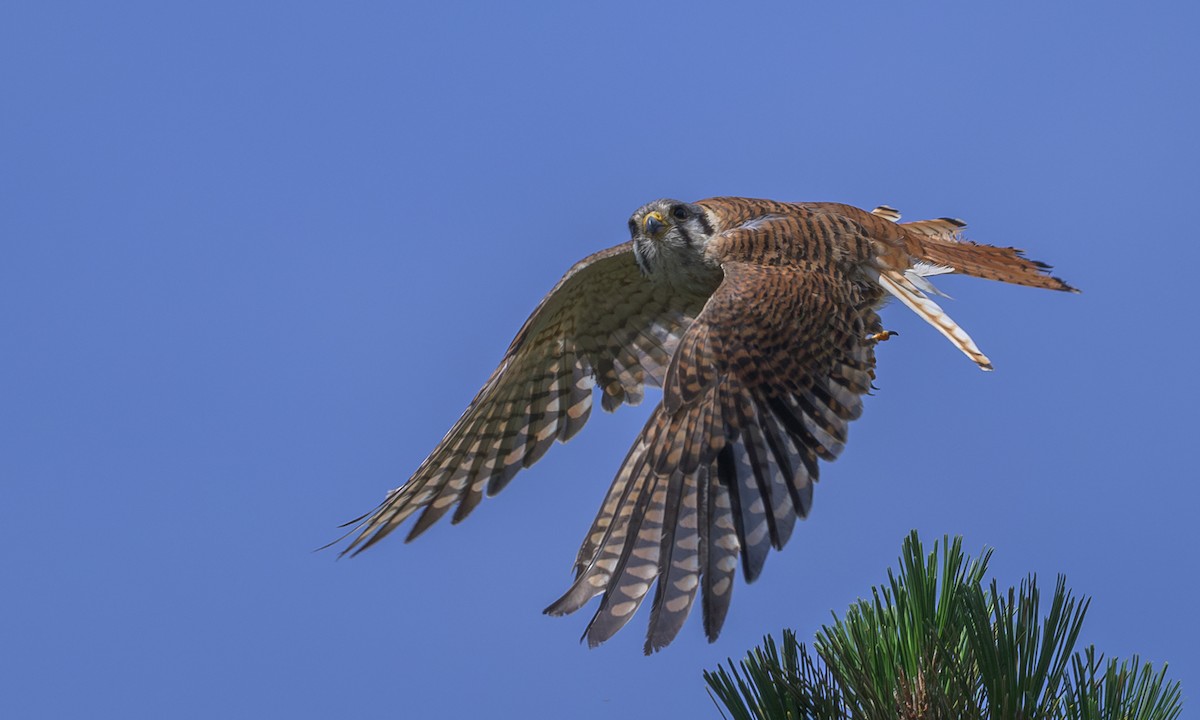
{"x":900,"y":287}
{"x":938,"y":242}
{"x":936,"y":247}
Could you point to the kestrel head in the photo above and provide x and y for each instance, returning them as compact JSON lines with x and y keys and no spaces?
{"x":669,"y":236}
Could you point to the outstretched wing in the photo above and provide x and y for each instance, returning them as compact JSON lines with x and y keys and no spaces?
{"x":762,"y":384}
{"x":603,"y":324}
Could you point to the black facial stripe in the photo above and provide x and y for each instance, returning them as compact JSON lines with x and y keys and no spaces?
{"x":703,"y":218}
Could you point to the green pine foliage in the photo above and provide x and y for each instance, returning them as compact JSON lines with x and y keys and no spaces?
{"x":936,"y":643}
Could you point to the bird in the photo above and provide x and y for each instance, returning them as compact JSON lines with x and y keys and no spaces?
{"x":758,"y":320}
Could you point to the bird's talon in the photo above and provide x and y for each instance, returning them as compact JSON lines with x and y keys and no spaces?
{"x":883,"y":335}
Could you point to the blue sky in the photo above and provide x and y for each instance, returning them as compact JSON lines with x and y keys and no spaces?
{"x":256,"y":258}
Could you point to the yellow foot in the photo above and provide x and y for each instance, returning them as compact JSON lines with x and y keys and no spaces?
{"x":884,"y":335}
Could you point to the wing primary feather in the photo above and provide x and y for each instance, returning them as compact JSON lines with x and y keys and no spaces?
{"x":749,"y":511}
{"x":792,"y":458}
{"x":579,"y":402}
{"x":508,"y":459}
{"x":721,"y":551}
{"x":440,"y":504}
{"x":543,"y":430}
{"x":609,"y":529}
{"x":698,"y":448}
{"x":675,"y":591}
{"x":638,"y":565}
{"x":792,"y":417}
{"x":772,"y":486}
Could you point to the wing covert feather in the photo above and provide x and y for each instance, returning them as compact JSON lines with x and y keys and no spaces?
{"x":603,"y":325}
{"x":763,"y":383}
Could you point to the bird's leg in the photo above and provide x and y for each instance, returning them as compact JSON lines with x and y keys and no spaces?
{"x":883,"y":335}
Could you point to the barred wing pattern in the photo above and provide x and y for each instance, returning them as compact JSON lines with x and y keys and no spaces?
{"x":604,"y":325}
{"x":763,"y":364}
{"x":763,"y":383}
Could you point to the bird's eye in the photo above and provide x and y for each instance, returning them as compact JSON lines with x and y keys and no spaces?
{"x":679,"y":212}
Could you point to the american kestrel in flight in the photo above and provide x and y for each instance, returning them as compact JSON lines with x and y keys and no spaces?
{"x":758,"y":321}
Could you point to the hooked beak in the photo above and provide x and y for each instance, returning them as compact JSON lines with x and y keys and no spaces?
{"x":654,"y":224}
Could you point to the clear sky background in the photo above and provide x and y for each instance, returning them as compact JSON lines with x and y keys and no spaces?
{"x":255,"y":258}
